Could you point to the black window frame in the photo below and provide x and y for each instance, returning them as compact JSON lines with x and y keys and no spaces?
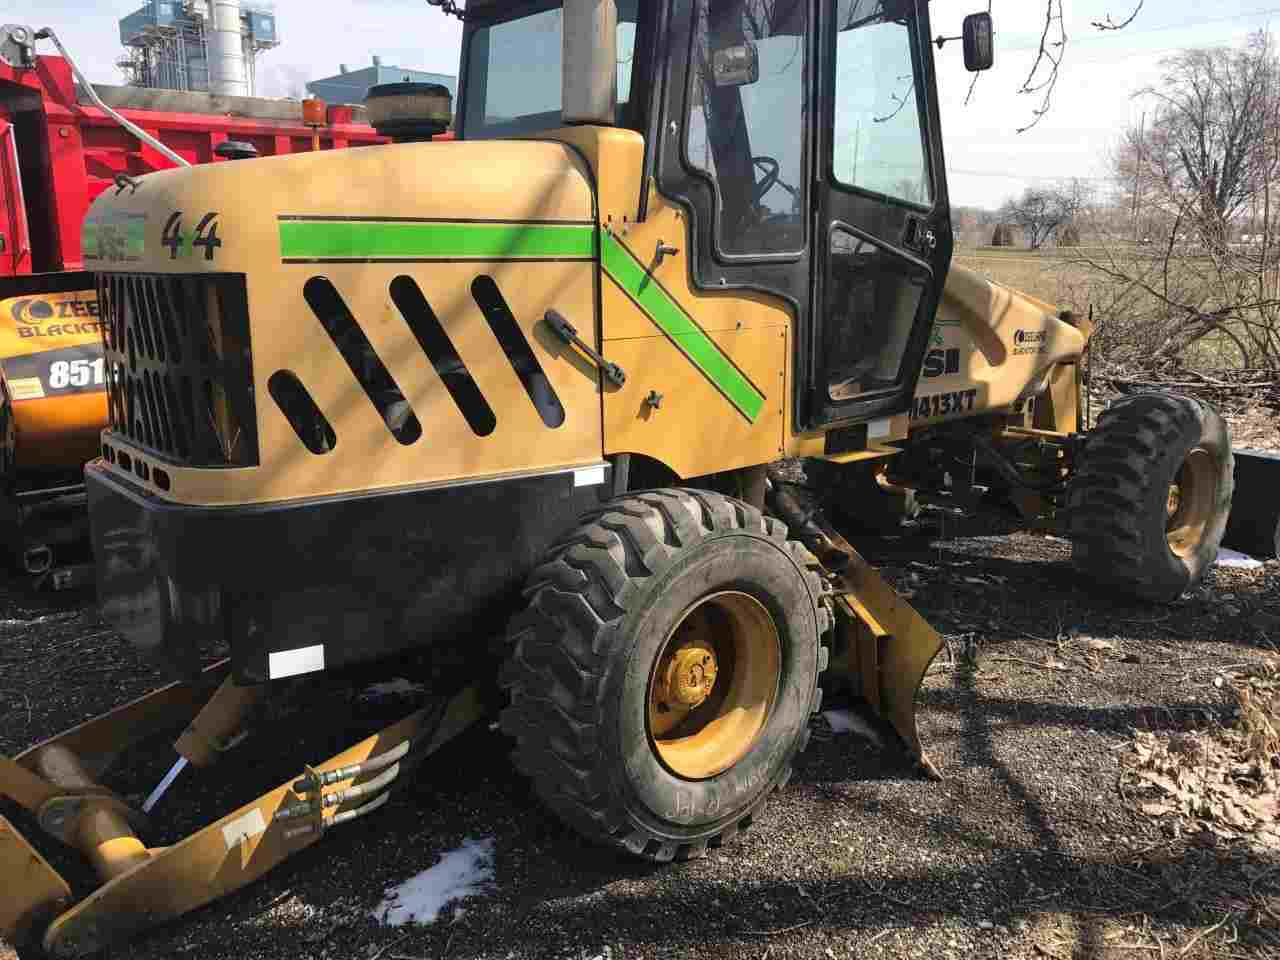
{"x":927,"y":139}
{"x":783,"y":276}
{"x":806,"y":147}
{"x":808,"y":415}
{"x":877,"y":399}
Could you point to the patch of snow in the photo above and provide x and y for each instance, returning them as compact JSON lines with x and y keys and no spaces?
{"x":1241,"y":561}
{"x":465,"y":872}
{"x":846,"y":721}
{"x":399,"y":687}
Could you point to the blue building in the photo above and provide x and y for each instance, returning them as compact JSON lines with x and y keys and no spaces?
{"x":350,"y":86}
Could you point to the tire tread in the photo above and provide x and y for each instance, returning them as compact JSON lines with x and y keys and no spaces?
{"x":1107,"y":497}
{"x":580,"y":591}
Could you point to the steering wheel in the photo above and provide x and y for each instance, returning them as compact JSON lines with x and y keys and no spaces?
{"x":754,"y":212}
{"x":772,"y":173}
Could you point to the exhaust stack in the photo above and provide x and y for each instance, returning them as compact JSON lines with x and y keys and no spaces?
{"x":227,"y":75}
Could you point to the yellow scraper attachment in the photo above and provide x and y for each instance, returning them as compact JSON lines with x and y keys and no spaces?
{"x":142,"y":886}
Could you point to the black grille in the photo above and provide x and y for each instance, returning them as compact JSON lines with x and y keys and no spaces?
{"x":179,"y":371}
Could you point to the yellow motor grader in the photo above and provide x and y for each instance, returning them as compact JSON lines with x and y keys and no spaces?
{"x":523,"y":385}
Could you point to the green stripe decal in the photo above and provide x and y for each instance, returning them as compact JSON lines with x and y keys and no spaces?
{"x":392,"y":240}
{"x":302,"y":239}
{"x":691,"y":339}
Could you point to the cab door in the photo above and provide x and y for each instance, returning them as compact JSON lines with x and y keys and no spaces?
{"x":883,"y":239}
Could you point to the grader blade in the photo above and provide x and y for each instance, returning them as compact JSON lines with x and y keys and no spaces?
{"x":889,"y":646}
{"x":883,"y":646}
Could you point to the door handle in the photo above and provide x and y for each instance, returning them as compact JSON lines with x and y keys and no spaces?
{"x":919,"y":236}
{"x":569,"y":334}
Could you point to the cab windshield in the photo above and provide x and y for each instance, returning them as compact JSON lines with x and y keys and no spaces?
{"x":513,"y":78}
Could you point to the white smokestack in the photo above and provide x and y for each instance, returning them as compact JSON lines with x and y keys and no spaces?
{"x":226,"y":53}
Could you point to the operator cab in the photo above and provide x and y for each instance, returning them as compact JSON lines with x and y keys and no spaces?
{"x":802,"y":138}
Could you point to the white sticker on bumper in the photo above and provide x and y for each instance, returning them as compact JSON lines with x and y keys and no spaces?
{"x":589,"y":477}
{"x":291,"y":663}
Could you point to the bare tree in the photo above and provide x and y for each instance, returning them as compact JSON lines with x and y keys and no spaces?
{"x":1041,"y":211}
{"x":1202,"y":155}
{"x":1203,"y":168}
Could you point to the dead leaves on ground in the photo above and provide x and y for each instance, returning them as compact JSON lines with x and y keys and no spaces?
{"x":1223,"y":780}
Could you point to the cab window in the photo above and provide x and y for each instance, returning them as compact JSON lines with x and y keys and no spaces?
{"x":513,"y":82}
{"x":877,"y":142}
{"x":745,"y":120}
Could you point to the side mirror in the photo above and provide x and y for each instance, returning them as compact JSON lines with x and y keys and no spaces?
{"x":979,"y":45}
{"x":735,"y":66}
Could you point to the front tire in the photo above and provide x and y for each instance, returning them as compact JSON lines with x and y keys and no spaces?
{"x":663,"y":675}
{"x":1150,"y":502}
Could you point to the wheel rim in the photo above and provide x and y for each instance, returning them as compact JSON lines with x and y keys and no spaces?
{"x":713,"y":685}
{"x":1190,"y":503}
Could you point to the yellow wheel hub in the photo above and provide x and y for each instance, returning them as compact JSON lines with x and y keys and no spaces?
{"x":1191,"y":500}
{"x":713,"y":685}
{"x":689,"y":677}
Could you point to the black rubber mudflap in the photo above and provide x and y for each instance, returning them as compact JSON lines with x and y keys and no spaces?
{"x":1254,"y":527}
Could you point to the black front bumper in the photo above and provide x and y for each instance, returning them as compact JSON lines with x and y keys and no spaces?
{"x":318,"y":584}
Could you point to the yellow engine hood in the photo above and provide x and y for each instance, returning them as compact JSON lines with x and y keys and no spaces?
{"x":226,"y":217}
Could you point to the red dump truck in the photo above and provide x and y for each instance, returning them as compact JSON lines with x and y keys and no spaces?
{"x":62,"y":143}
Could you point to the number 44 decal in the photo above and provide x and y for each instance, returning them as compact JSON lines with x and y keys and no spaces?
{"x":181,"y":245}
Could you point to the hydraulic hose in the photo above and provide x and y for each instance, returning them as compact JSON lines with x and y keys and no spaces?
{"x":293,"y":811}
{"x":93,"y":95}
{"x":311,"y":783}
{"x":337,"y":820}
{"x":1007,"y":470}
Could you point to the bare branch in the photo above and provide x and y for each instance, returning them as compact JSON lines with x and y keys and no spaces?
{"x":1042,"y":78}
{"x":901,"y":101}
{"x":1109,"y":24}
{"x":1048,"y":60}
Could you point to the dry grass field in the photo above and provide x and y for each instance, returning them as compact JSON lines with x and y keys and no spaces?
{"x":1046,"y":274}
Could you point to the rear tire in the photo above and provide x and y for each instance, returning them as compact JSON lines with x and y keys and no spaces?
{"x":1149,"y":503}
{"x":648,"y":588}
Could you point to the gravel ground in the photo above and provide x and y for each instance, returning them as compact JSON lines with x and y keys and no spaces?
{"x":1025,"y":849}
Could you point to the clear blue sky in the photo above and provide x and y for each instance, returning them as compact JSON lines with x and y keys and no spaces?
{"x":988,"y":161}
